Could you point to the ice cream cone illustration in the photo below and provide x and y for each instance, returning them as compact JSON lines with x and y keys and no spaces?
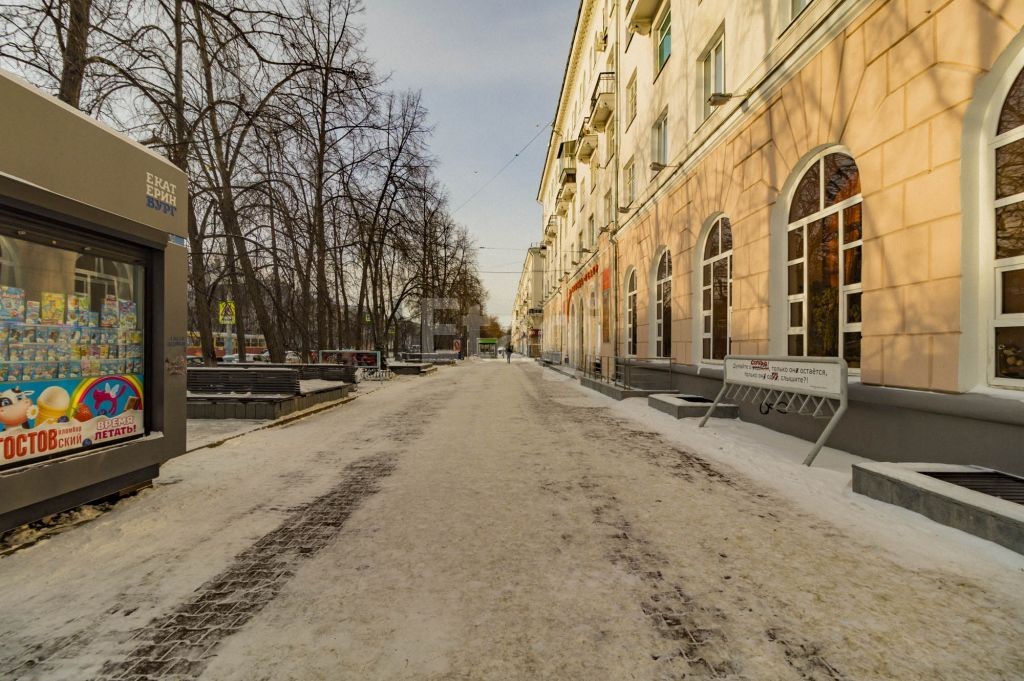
{"x":53,"y":404}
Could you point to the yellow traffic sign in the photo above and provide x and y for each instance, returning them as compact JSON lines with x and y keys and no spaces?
{"x":226,"y":311}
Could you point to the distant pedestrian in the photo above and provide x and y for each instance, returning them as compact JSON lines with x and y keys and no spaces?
{"x":508,"y":354}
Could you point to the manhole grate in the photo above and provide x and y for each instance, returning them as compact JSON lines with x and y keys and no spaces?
{"x":993,"y":483}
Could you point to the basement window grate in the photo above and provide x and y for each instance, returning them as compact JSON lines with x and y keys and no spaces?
{"x":992,"y":483}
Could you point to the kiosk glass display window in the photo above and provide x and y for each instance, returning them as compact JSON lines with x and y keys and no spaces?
{"x":72,"y":345}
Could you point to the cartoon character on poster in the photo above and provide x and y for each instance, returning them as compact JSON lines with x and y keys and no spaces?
{"x":108,"y":396}
{"x":16,"y":409}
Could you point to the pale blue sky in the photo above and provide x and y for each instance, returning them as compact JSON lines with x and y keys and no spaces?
{"x":490,"y":72}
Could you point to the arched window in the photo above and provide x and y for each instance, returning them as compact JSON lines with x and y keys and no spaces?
{"x":631,"y":313}
{"x":824,"y":261}
{"x":1008,"y":146}
{"x":716,"y":291}
{"x":663,"y":306}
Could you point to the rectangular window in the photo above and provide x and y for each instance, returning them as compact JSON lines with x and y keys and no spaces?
{"x":72,"y":347}
{"x":664,"y":40}
{"x":629,"y":178}
{"x":591,"y":235}
{"x":609,"y":208}
{"x":659,"y":140}
{"x":713,"y":73}
{"x":610,"y":141}
{"x":631,"y":100}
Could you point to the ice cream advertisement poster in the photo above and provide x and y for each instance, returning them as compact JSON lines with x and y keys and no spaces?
{"x":42,"y":418}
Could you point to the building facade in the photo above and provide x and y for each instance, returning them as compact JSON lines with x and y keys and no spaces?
{"x":527,"y":310}
{"x":799,"y":177}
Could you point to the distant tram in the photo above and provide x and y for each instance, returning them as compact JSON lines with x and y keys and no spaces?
{"x":255,"y":343}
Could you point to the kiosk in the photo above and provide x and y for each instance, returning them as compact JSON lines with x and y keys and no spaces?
{"x":92,"y":308}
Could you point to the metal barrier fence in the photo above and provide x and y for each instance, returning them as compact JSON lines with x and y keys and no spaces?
{"x":552,"y":356}
{"x":639,"y":373}
{"x":646,"y":373}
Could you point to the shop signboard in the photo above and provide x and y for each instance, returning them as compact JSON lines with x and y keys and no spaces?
{"x":364,"y":359}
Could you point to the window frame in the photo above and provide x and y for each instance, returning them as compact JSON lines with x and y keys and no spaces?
{"x":708,"y":63}
{"x":844,"y":290}
{"x":662,"y":32}
{"x":997,"y":266}
{"x":629,"y":185}
{"x":631,"y":100}
{"x":707,"y":329}
{"x":795,"y":11}
{"x":662,"y":300}
{"x":659,"y":140}
{"x":631,"y":313}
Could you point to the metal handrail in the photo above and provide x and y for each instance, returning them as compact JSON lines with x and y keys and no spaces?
{"x":605,"y":85}
{"x":631,"y":366}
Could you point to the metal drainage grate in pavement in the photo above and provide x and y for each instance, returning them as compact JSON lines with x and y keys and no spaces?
{"x":993,"y":483}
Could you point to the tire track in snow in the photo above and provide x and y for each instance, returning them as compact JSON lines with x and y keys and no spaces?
{"x":181,"y":643}
{"x":696,"y":630}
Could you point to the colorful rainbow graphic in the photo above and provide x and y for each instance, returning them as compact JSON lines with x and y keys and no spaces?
{"x":86,"y":387}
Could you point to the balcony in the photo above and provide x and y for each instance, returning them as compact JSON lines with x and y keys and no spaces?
{"x":641,"y":16}
{"x":602,"y":102}
{"x":563,"y":202}
{"x":551,"y":230}
{"x":567,"y":168}
{"x":586,"y":142}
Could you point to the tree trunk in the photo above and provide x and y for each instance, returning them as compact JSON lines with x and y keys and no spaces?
{"x":75,"y":49}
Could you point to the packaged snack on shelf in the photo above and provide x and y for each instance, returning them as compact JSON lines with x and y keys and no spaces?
{"x":69,"y":369}
{"x":46,"y":371}
{"x":78,"y":308}
{"x":52,"y":309}
{"x":12,"y":303}
{"x":93,"y":319}
{"x":109,"y":312}
{"x":22,"y":334}
{"x":90,"y":366}
{"x":127,"y":309}
{"x":104,"y":351}
{"x":32,"y":311}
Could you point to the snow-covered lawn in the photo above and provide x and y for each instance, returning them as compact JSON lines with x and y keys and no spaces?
{"x":501,"y":522}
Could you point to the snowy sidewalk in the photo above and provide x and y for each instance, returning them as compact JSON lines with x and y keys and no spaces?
{"x":500,"y":522}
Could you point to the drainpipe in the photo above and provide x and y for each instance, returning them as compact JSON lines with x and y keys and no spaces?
{"x":615,"y":189}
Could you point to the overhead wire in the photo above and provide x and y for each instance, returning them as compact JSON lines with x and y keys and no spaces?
{"x":502,"y":169}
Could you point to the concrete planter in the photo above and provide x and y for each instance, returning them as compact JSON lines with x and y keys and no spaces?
{"x":691,"y":406}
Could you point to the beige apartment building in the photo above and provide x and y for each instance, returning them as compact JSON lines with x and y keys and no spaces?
{"x":527,"y":309}
{"x":801,"y":177}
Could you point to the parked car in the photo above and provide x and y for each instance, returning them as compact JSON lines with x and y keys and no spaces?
{"x":290,"y":357}
{"x":233,"y":359}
